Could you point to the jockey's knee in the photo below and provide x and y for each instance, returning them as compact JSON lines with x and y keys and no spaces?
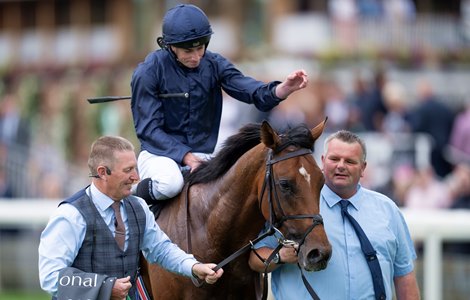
{"x":159,"y":188}
{"x":166,"y":188}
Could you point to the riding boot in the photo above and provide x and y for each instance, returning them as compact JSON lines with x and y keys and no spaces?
{"x":144,"y":191}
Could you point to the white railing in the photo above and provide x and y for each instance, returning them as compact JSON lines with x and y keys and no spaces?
{"x":32,"y":213}
{"x":432,"y":227}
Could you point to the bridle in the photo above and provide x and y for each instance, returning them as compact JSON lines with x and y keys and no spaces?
{"x":274,"y":221}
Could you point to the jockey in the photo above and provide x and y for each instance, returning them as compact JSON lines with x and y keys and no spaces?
{"x":177,"y":101}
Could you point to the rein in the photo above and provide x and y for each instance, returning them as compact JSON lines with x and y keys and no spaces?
{"x":273,"y":223}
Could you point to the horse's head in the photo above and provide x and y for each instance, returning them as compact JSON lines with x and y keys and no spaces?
{"x":290,"y":198}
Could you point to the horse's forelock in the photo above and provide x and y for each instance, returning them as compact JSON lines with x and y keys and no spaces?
{"x":299,"y":135}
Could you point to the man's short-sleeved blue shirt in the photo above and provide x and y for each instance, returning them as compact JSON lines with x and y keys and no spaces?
{"x":347,"y":276}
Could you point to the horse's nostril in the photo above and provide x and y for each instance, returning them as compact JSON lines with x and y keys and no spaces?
{"x":318,"y":256}
{"x":314,"y":256}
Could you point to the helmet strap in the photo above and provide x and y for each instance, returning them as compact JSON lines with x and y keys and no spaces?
{"x":161,"y":43}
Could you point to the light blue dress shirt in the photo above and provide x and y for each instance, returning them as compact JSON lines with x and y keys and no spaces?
{"x":65,"y":232}
{"x":347,"y":276}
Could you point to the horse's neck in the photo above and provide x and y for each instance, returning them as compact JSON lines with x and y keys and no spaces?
{"x":235,"y":198}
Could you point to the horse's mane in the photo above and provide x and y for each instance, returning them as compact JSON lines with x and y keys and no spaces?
{"x":238,"y":144}
{"x":232,"y":149}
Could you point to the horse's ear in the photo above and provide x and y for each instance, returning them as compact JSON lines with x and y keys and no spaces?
{"x":268,"y":136}
{"x":318,"y":130}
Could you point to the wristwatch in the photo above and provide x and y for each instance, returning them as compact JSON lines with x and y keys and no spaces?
{"x":277,"y":259}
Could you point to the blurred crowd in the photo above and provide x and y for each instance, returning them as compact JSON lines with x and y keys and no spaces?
{"x":387,"y":108}
{"x":46,"y":127}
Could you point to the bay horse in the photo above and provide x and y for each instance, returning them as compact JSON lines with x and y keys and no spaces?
{"x":257,"y":177}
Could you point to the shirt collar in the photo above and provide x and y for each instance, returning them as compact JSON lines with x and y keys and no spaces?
{"x":331,"y":198}
{"x":101,"y":200}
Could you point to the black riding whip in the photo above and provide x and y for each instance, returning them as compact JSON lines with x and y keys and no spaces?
{"x":107,"y":99}
{"x":115,"y":98}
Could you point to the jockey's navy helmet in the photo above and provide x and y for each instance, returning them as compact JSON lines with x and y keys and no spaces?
{"x":186,"y":26}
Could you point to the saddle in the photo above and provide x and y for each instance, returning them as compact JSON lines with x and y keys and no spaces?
{"x":156,"y":207}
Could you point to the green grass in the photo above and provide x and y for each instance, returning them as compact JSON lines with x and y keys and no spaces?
{"x":14,"y":295}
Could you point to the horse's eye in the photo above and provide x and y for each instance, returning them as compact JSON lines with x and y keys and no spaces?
{"x":285,"y":185}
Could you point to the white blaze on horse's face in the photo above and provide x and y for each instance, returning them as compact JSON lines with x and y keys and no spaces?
{"x":304,"y":173}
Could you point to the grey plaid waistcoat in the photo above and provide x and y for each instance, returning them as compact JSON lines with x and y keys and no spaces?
{"x":99,"y":252}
